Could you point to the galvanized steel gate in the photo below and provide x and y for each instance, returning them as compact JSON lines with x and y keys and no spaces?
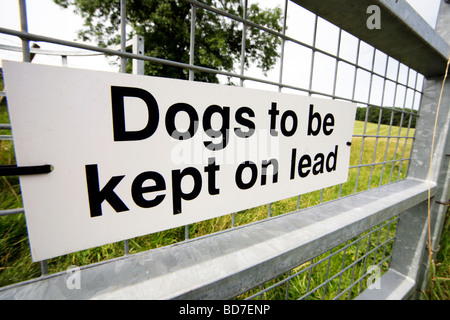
{"x":380,"y":224}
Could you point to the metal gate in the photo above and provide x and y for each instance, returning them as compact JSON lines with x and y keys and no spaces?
{"x":369,"y":238}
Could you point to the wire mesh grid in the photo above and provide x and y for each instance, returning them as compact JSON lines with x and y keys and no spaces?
{"x":386,"y":91}
{"x":339,"y":273}
{"x":315,"y":58}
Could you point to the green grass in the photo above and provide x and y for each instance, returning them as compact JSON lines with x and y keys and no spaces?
{"x":342,"y":266}
{"x":439,"y":288}
{"x":383,"y":130}
{"x":16,"y":264}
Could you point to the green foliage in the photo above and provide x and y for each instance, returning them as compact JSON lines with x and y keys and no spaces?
{"x":165,"y":26}
{"x":397,"y":116}
{"x":439,"y":286}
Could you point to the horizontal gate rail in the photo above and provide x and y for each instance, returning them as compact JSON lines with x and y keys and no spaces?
{"x":404,"y":35}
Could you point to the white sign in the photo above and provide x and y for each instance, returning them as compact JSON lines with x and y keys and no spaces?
{"x":133,"y":155}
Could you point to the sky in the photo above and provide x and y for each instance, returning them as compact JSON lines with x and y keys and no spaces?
{"x":46,"y":18}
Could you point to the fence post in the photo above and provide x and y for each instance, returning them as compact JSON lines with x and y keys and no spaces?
{"x":138,"y":48}
{"x":442,"y":176}
{"x":411,"y":255}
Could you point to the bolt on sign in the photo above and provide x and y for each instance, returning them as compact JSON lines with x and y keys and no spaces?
{"x":132,"y":155}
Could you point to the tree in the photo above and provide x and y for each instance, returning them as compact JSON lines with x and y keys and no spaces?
{"x":165,"y":26}
{"x":388,"y":116}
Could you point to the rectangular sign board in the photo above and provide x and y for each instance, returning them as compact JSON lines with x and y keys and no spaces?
{"x":133,"y":155}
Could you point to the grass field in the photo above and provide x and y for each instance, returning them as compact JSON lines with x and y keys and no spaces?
{"x":384,"y":153}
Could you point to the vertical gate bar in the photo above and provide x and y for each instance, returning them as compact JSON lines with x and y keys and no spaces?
{"x":387,"y":237}
{"x":340,"y":190}
{"x":392,"y":112}
{"x":313,"y":55}
{"x":123,"y":34}
{"x":392,"y":119}
{"x":350,"y":288}
{"x":313,"y":59}
{"x":241,"y":81}
{"x":138,"y":47}
{"x":24,"y":28}
{"x":243,"y":45}
{"x":362,"y":149}
{"x":286,"y":295}
{"x":283,"y":42}
{"x":27,"y":58}
{"x":400,"y":127}
{"x":337,"y":63}
{"x":375,"y":148}
{"x":366,"y":256}
{"x":341,"y":269}
{"x":123,"y":66}
{"x":402,"y":115}
{"x":327,"y":274}
{"x":309,"y":277}
{"x":335,"y":81}
{"x":365,"y":120}
{"x":356,"y":70}
{"x":404,"y":146}
{"x":44,"y":267}
{"x":379,"y":119}
{"x":381,"y":110}
{"x":407,"y":133}
{"x":377,"y":246}
{"x":191,"y":72}
{"x":192,"y":41}
{"x":186,"y":232}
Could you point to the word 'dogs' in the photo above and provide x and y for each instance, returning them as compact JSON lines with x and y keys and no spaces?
{"x":134,"y":155}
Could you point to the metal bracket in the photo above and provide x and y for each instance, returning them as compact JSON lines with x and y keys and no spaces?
{"x":444,"y":203}
{"x":14,"y":170}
